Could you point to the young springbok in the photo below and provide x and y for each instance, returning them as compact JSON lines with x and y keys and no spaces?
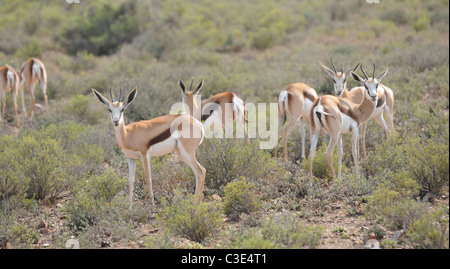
{"x":338,"y":116}
{"x":356,"y":95}
{"x":9,"y":81}
{"x":296,"y":101}
{"x":33,"y":71}
{"x":221,"y":109}
{"x":155,"y":137}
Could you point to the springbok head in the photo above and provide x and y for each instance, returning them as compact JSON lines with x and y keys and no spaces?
{"x":370,"y":84}
{"x":116,"y":107}
{"x":339,"y":77}
{"x":190,"y":95}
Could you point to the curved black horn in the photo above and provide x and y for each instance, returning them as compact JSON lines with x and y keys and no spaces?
{"x":334,"y":67}
{"x":373,"y":75}
{"x":120,"y":96}
{"x":110,"y":93}
{"x":364,"y":72}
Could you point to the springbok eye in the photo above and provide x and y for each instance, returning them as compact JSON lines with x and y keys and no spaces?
{"x":366,"y":86}
{"x":109,"y":110}
{"x":334,"y":81}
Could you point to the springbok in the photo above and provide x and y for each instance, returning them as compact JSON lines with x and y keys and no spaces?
{"x":9,"y":81}
{"x":296,"y":101}
{"x":356,"y":95}
{"x":33,"y":71}
{"x":155,"y":137}
{"x":221,"y":109}
{"x":338,"y":116}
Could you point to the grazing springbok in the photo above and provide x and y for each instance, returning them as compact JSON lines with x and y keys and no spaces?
{"x":339,"y":116}
{"x":33,"y":71}
{"x":155,"y":137}
{"x":356,"y":95}
{"x":296,"y":101}
{"x":9,"y":81}
{"x":221,"y":109}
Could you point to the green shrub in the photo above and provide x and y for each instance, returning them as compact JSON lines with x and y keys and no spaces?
{"x":263,"y":38}
{"x":11,"y":183}
{"x":188,"y":217}
{"x":45,"y":166}
{"x":320,"y":165}
{"x":93,"y":197}
{"x":101,"y":29}
{"x":83,"y":109}
{"x":228,"y":159}
{"x":422,"y":21}
{"x":411,"y":164}
{"x":430,"y":231}
{"x":282,"y":232}
{"x":240,"y":197}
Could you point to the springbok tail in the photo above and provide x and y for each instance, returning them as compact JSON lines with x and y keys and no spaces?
{"x":282,"y":108}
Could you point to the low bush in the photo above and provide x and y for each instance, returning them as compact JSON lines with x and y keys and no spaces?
{"x":282,"y":232}
{"x":240,"y":197}
{"x":189,"y":217}
{"x":228,"y":159}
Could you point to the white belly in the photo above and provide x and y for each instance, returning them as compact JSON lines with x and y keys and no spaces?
{"x":306,"y":112}
{"x":348,"y":124}
{"x":165,"y":147}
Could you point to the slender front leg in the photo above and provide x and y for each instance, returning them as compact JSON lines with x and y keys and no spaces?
{"x":314,"y":139}
{"x":131,"y":172}
{"x":354,"y":149}
{"x":31,"y":87}
{"x":340,"y":152}
{"x":363,"y":139}
{"x":302,"y":132}
{"x":148,"y":177}
{"x":2,"y":115}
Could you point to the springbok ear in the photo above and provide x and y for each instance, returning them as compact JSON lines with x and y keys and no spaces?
{"x":357,"y":78}
{"x":348,"y":74}
{"x":326,"y":69}
{"x":100,"y":98}
{"x":182,"y":86}
{"x":381,"y":76}
{"x":199,"y":87}
{"x":130,"y":97}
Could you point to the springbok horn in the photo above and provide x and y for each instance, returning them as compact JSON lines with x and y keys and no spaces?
{"x":110,"y":93}
{"x":364,"y":72}
{"x":342,"y":68}
{"x":373,"y":75}
{"x":120,"y":96}
{"x":192,"y":81}
{"x":334,"y":67}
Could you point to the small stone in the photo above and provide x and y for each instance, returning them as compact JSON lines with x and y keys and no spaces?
{"x":41,"y":225}
{"x":44,"y":231}
{"x":216,"y":197}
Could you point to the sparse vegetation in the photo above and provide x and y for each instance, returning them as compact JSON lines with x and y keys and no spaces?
{"x":63,"y":176}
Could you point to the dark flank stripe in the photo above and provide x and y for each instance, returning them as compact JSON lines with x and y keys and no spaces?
{"x":381,"y":101}
{"x":209,"y":107}
{"x":161,"y":137}
{"x":309,"y":96}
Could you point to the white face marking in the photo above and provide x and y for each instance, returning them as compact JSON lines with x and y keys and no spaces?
{"x":371,"y":89}
{"x":340,"y":83}
{"x":116,"y":109}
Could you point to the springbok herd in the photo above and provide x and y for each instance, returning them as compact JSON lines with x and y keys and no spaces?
{"x":336,"y":115}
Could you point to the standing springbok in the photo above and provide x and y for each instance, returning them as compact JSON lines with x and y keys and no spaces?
{"x":155,"y":137}
{"x":9,"y":81}
{"x":296,"y":101}
{"x":222,"y":109}
{"x":356,"y":95}
{"x":33,"y":71}
{"x":338,"y":116}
